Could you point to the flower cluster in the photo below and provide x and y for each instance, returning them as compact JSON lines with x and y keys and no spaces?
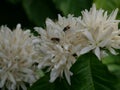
{"x":100,"y":30}
{"x":66,"y":39}
{"x":17,"y":58}
{"x":56,"y":48}
{"x":56,"y":45}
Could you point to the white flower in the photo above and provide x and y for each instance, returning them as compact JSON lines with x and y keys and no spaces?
{"x":101,"y":40}
{"x":94,"y":18}
{"x":16,"y":58}
{"x":57,"y":45}
{"x":100,"y":31}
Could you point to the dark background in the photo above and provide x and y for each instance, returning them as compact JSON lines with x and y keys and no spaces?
{"x":31,"y":13}
{"x":12,"y":14}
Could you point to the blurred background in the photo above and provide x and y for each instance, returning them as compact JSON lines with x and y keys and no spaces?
{"x":32,"y":13}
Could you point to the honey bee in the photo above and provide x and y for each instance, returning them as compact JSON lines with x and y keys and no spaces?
{"x":74,"y":55}
{"x":66,"y":28}
{"x":55,"y":39}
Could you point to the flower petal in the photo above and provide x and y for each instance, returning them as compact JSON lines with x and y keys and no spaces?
{"x":88,"y":35}
{"x":113,"y":51}
{"x":86,"y":49}
{"x":67,"y":75}
{"x":97,"y":52}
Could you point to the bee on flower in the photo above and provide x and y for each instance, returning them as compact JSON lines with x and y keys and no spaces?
{"x":57,"y":43}
{"x":61,"y":42}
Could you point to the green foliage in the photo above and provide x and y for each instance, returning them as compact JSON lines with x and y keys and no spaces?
{"x":113,"y":63}
{"x":44,"y":84}
{"x":89,"y":73}
{"x":39,"y":10}
{"x":108,"y":5}
{"x":72,"y":6}
{"x":93,"y":73}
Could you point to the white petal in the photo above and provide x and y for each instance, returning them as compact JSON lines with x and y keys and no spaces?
{"x":67,"y":75}
{"x":103,"y":43}
{"x":97,"y":52}
{"x":26,"y":70}
{"x":86,"y":50}
{"x":106,"y":34}
{"x":36,"y":40}
{"x":11,"y":78}
{"x":103,"y":54}
{"x":113,"y":14}
{"x":53,"y":75}
{"x":18,"y":26}
{"x":113,"y":51}
{"x":23,"y":86}
{"x":88,"y":35}
{"x":2,"y":82}
{"x":59,"y":48}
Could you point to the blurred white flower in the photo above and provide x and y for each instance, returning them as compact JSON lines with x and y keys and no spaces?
{"x":16,"y":58}
{"x":58,"y":45}
{"x":100,"y":31}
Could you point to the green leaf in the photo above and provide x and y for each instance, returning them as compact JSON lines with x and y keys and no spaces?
{"x":89,"y":74}
{"x":14,"y":1}
{"x":108,"y":5}
{"x":39,"y":10}
{"x":44,"y":84}
{"x":72,"y":6}
{"x":111,"y":59}
{"x":113,"y":63}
